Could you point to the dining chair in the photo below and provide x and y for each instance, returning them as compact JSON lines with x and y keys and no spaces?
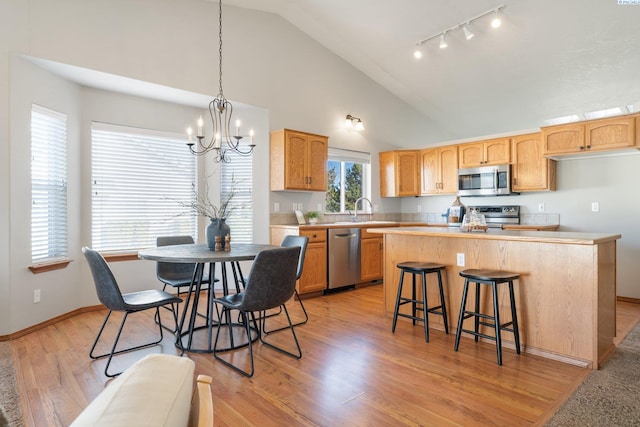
{"x":176,"y":275}
{"x":302,"y":242}
{"x":111,"y":297}
{"x":270,"y":284}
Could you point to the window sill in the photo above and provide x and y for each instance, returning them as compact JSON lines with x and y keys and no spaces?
{"x":123,"y":256}
{"x":49,"y":266}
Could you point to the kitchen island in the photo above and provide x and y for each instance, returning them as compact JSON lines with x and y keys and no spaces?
{"x":565,"y":298}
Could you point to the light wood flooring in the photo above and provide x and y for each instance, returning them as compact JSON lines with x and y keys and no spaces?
{"x":354,"y":372}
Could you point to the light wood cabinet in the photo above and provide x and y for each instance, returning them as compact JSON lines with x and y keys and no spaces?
{"x":439,"y":170}
{"x":314,"y":273}
{"x":371,"y":250}
{"x":591,"y":136}
{"x":399,"y":173}
{"x":484,"y":153}
{"x":298,"y":161}
{"x":530,"y":170}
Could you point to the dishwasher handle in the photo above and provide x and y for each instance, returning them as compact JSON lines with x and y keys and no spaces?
{"x":345,"y":235}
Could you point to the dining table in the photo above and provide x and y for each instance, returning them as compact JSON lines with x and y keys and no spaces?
{"x":201,"y":255}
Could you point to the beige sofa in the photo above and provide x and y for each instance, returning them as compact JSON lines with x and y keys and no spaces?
{"x":155,"y":391}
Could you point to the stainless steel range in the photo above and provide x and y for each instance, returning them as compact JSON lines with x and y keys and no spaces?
{"x":496,"y":216}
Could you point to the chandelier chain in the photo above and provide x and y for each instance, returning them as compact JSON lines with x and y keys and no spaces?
{"x":220,"y":44}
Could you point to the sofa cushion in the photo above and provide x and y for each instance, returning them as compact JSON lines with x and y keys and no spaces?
{"x":155,"y":391}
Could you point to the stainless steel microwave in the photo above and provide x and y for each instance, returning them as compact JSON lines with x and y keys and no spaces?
{"x":485,"y":181}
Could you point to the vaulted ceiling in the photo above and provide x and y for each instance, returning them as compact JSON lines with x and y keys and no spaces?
{"x":549,"y":58}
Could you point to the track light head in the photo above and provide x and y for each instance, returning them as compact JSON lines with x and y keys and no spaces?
{"x":496,"y":20}
{"x":443,"y":41}
{"x":467,"y":32}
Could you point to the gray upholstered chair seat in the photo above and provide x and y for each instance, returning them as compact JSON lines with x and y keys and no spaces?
{"x":143,"y":300}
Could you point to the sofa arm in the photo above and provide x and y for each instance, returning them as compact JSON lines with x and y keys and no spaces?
{"x":155,"y":391}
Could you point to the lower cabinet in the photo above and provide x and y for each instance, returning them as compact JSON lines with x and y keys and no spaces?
{"x":314,"y":273}
{"x":370,"y":256}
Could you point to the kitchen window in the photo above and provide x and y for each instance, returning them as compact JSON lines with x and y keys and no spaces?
{"x":141,"y":181}
{"x":348,"y":178}
{"x":48,"y":185}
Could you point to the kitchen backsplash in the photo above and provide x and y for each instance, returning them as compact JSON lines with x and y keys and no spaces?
{"x":289,"y":218}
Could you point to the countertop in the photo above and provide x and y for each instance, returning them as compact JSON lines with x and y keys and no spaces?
{"x":370,"y":224}
{"x":497,"y":234}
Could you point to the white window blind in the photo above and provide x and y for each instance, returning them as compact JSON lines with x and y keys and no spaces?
{"x":48,"y":185}
{"x":141,"y":182}
{"x":237,"y":176}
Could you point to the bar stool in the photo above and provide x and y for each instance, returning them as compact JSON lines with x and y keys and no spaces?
{"x":420,"y":268}
{"x":493,"y":278}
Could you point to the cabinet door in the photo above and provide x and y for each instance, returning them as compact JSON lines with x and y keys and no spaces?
{"x":471,"y":155}
{"x":407,"y":174}
{"x":531,"y":170}
{"x":429,"y":171}
{"x":448,"y":157}
{"x":497,"y":152}
{"x":314,"y":274}
{"x":295,"y":157}
{"x":564,"y":139}
{"x":371,"y":259}
{"x":387,"y":174}
{"x":318,"y":148}
{"x":606,"y":134}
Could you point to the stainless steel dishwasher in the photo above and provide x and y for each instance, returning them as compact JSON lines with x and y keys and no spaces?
{"x":343,"y":257}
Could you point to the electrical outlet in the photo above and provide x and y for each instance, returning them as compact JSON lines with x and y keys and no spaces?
{"x":595,"y":207}
{"x":36,"y":296}
{"x":276,"y":207}
{"x":376,"y":208}
{"x":460,"y":259}
{"x":295,"y":206}
{"x":320,"y":209}
{"x":419,"y":208}
{"x":540,"y":207}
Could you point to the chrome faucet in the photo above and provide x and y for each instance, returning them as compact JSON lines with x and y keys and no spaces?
{"x":355,"y":208}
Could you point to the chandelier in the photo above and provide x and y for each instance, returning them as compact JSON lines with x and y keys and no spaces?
{"x":220,"y":110}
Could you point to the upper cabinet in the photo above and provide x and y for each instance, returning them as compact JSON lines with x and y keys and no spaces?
{"x":594,"y":135}
{"x":439,"y":170}
{"x":530,"y":170}
{"x":399,"y":173}
{"x":484,"y":153}
{"x":298,"y":161}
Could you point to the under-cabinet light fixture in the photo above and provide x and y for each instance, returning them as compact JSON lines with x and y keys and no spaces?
{"x":468,"y":34}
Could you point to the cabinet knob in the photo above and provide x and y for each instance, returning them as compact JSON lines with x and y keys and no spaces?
{"x":588,"y":147}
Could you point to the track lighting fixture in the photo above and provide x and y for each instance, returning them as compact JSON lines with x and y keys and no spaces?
{"x":496,"y":20}
{"x":468,"y":34}
{"x":443,"y":41}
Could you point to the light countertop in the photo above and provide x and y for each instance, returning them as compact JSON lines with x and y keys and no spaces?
{"x":497,"y":234}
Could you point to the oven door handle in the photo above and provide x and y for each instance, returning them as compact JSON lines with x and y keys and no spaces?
{"x":495,"y":180}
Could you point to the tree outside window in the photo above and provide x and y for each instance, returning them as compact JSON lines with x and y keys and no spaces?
{"x":344,"y":186}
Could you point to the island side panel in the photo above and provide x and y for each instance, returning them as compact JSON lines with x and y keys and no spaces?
{"x":606,"y":302}
{"x":557,"y":297}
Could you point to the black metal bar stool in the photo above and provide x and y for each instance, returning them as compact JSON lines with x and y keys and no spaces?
{"x":420,"y":268}
{"x":493,"y":278}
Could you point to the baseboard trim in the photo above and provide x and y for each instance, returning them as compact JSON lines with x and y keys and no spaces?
{"x":52,"y":321}
{"x":630,"y":300}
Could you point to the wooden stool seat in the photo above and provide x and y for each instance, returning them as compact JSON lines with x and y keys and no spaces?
{"x":492,"y":278}
{"x":416,"y":268}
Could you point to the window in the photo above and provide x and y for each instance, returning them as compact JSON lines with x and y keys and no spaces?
{"x":237,"y":176}
{"x":141,"y":182}
{"x":348,"y":179}
{"x":48,"y":185}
